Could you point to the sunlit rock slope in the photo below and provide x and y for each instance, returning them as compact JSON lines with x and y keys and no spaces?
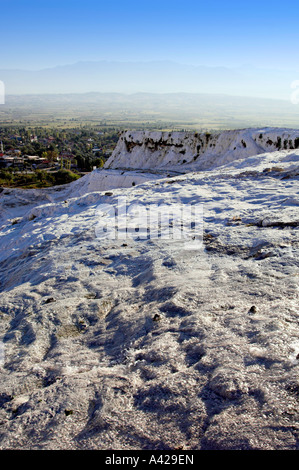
{"x":140,"y":343}
{"x":188,"y":150}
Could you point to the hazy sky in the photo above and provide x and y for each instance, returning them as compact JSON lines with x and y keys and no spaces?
{"x":37,"y":33}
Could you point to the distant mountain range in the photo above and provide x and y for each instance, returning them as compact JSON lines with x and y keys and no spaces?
{"x":150,"y":77}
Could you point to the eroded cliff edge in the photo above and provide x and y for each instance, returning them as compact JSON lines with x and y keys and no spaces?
{"x":184,"y":151}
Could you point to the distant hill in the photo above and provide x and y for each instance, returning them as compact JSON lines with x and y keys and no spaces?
{"x":150,"y":77}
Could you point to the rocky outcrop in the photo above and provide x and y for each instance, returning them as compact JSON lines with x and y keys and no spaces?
{"x":184,"y":150}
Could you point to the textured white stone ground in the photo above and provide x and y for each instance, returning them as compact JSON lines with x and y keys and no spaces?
{"x":143,"y":344}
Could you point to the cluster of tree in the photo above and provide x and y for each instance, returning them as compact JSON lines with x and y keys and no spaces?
{"x":87,"y":163}
{"x":36,"y":179}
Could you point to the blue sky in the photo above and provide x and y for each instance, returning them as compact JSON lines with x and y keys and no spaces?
{"x":38,"y":34}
